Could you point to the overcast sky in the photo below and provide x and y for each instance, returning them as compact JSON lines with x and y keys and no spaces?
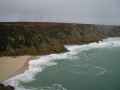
{"x":81,"y":11}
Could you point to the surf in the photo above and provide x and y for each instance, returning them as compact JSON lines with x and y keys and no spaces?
{"x":42,"y":62}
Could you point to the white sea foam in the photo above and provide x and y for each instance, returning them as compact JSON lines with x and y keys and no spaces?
{"x":39,"y":64}
{"x":54,"y":87}
{"x":110,"y":42}
{"x":102,"y":70}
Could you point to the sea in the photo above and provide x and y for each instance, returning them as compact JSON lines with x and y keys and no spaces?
{"x":93,"y":66}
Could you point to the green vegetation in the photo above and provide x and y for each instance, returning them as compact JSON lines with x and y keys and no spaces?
{"x":44,"y":38}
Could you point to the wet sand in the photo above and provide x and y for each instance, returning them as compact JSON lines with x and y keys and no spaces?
{"x":11,"y":66}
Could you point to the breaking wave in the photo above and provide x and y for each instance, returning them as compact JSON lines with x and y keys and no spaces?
{"x":39,"y":64}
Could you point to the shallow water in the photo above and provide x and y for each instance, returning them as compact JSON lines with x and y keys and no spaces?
{"x":93,"y":66}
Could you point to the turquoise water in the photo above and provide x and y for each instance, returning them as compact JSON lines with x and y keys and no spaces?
{"x":94,"y":68}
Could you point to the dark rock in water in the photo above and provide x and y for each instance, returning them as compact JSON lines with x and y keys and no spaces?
{"x":35,"y":38}
{"x":9,"y":87}
{"x":3,"y":87}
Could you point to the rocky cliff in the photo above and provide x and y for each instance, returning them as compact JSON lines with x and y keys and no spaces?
{"x":3,"y":87}
{"x":35,"y":38}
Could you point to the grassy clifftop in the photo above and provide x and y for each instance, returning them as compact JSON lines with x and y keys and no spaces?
{"x":35,"y":38}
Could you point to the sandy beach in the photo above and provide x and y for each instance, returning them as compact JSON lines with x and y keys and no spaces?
{"x":10,"y":66}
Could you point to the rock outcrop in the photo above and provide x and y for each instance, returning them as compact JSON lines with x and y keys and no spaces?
{"x":35,"y":38}
{"x":3,"y":87}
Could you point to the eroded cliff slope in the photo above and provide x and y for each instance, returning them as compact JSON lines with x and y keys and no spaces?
{"x":36,"y":38}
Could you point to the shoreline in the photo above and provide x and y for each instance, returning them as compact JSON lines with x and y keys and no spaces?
{"x":15,"y":65}
{"x":25,"y":65}
{"x":23,"y":68}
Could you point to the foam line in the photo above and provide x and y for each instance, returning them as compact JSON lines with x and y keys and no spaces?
{"x":39,"y":64}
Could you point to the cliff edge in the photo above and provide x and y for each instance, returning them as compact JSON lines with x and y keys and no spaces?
{"x":36,"y":38}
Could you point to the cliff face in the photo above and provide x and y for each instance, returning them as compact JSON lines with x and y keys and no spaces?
{"x":44,"y":38}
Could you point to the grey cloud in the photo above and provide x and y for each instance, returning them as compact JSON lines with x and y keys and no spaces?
{"x":88,"y":11}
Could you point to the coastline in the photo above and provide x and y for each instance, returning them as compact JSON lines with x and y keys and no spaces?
{"x":25,"y":65}
{"x":19,"y":39}
{"x":12,"y":66}
{"x":13,"y":61}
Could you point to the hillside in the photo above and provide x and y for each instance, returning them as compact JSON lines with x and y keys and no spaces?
{"x":36,"y":38}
